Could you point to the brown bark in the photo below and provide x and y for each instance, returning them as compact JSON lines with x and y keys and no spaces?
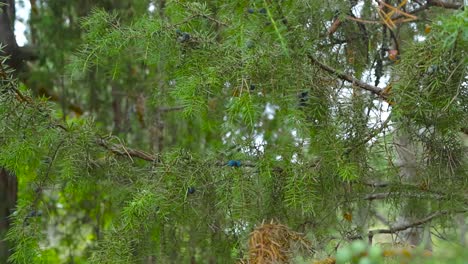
{"x":8,"y":182}
{"x":8,"y":195}
{"x":443,"y":4}
{"x":7,"y":36}
{"x":117,"y":108}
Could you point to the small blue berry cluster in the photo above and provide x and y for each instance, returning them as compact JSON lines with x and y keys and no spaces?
{"x":191,"y":190}
{"x":234,"y":163}
{"x":261,"y":10}
{"x":182,"y":36}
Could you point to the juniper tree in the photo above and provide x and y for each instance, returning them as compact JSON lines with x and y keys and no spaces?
{"x":166,"y":131}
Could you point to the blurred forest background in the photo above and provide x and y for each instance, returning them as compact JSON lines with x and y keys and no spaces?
{"x":251,"y":131}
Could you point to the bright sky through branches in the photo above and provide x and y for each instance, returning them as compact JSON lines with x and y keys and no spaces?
{"x":22,"y":16}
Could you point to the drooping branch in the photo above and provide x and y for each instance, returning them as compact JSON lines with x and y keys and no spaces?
{"x":118,"y":149}
{"x":373,"y":89}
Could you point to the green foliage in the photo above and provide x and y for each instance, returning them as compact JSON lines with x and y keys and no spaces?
{"x":453,"y":29}
{"x":433,"y":106}
{"x":359,"y":252}
{"x":199,"y":84}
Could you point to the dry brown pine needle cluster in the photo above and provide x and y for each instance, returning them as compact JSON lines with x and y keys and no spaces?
{"x":273,"y":243}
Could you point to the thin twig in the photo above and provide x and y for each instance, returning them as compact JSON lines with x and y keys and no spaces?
{"x":371,"y":135}
{"x":4,"y":76}
{"x":380,"y":217}
{"x":125,"y":149}
{"x":214,"y":20}
{"x":170,"y":109}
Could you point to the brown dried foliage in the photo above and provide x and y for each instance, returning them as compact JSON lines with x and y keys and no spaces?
{"x":273,"y":243}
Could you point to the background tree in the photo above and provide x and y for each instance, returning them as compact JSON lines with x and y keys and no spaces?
{"x":319,"y":115}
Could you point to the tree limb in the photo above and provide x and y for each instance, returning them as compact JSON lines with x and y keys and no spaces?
{"x":429,"y":4}
{"x":170,"y":109}
{"x":401,"y":227}
{"x":397,"y":228}
{"x":385,"y":195}
{"x":121,"y":150}
{"x":443,"y":4}
{"x":335,"y":25}
{"x":421,"y":195}
{"x":28,"y":53}
{"x":373,"y":89}
{"x":400,"y":18}
{"x":52,"y":96}
{"x":118,"y":149}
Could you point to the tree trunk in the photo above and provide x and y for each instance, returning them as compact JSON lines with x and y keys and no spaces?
{"x":407,"y":161}
{"x":7,"y":36}
{"x":8,"y":182}
{"x":8,"y":195}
